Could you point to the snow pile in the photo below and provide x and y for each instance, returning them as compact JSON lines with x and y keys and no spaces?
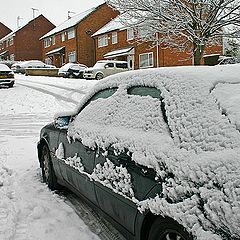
{"x":196,"y":158}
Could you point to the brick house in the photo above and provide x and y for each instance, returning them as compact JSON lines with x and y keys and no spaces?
{"x":4,"y":30}
{"x":24,"y":43}
{"x":116,"y":42}
{"x":71,"y":41}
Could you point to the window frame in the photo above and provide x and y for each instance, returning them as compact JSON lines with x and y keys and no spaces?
{"x":114,"y":38}
{"x":63,"y":37}
{"x":103,"y":41}
{"x":71,"y":33}
{"x":130,"y":34}
{"x":148,"y":60}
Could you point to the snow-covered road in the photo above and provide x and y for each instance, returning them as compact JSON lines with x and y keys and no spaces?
{"x":28,"y":210}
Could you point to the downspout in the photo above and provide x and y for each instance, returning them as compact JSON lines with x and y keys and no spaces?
{"x":157,"y":56}
{"x":77,"y":45}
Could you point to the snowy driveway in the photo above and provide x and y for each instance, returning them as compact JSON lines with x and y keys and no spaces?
{"x":28,"y":210}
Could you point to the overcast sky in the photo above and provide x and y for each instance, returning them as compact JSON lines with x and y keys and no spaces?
{"x":55,"y":10}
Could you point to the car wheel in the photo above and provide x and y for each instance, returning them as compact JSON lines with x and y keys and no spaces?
{"x":99,"y":76}
{"x":11,"y":85}
{"x":167,"y":229}
{"x":48,"y":173}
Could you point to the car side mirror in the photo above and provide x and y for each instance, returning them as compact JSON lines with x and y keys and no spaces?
{"x":62,"y":122}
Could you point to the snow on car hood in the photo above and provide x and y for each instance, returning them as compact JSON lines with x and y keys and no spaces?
{"x":197,"y":162}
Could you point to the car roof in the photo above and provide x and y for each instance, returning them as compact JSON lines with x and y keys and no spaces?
{"x":4,"y":67}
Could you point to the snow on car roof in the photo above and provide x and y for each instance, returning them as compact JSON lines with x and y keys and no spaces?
{"x":197,"y":162}
{"x":4,"y":67}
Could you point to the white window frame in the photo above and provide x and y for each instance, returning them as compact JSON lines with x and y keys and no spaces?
{"x":72,"y":57}
{"x":47,"y":42}
{"x":146,"y":63}
{"x":130,"y":34}
{"x":53,"y":40}
{"x":11,"y":41}
{"x":71,"y":33}
{"x":103,"y":41}
{"x":114,"y":38}
{"x":63,"y":38}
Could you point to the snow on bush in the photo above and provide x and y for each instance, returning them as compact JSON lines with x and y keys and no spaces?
{"x":195,"y":156}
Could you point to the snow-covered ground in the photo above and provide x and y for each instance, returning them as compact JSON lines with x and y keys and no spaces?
{"x":28,"y":210}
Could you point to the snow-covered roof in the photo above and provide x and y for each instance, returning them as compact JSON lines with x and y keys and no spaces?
{"x":56,"y":50}
{"x":115,"y":24}
{"x":119,"y":52}
{"x":71,"y":22}
{"x":13,"y":33}
{"x":194,"y":151}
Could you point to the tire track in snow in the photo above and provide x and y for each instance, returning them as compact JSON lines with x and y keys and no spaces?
{"x":52,"y":85}
{"x":57,"y":96}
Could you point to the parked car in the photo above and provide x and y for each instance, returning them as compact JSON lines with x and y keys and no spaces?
{"x":105,"y":68}
{"x":6,"y":76}
{"x":72,"y":70}
{"x":156,"y":151}
{"x":21,"y":66}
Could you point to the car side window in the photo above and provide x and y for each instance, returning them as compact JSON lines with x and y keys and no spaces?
{"x":106,"y":93}
{"x":152,"y":92}
{"x":122,"y":65}
{"x":109,"y":65}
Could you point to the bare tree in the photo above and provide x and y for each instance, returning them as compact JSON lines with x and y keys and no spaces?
{"x":185,"y":24}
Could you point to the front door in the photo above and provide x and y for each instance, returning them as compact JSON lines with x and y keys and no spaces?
{"x":77,"y":164}
{"x":130,"y":60}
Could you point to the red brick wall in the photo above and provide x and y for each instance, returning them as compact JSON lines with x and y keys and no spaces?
{"x":4,"y":30}
{"x":86,"y":45}
{"x":166,"y":56}
{"x":27,"y":43}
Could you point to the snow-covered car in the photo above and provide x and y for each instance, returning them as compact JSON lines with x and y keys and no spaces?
{"x":156,"y":150}
{"x":72,"y":70}
{"x":6,"y":76}
{"x":22,"y":66}
{"x":105,"y":68}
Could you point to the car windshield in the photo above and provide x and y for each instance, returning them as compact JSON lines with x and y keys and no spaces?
{"x":99,"y":65}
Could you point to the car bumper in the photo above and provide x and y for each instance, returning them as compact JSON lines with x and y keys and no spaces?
{"x":6,"y":81}
{"x":88,"y":76}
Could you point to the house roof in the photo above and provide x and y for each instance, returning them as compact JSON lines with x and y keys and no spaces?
{"x":115,"y":24}
{"x":12,"y":34}
{"x":71,"y":22}
{"x":56,"y":51}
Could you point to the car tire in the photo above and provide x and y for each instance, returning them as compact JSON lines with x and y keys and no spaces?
{"x":48,"y":173}
{"x":11,"y":85}
{"x":166,"y":228}
{"x":99,"y":76}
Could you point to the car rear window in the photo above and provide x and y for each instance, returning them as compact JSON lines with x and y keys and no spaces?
{"x":145,"y":91}
{"x":122,"y":65}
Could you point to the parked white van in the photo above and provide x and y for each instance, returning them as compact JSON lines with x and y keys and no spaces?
{"x":105,"y":68}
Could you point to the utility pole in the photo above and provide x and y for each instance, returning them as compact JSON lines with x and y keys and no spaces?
{"x":69,"y":12}
{"x":18,"y":21}
{"x":34,"y":9}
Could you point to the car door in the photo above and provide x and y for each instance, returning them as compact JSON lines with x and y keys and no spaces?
{"x":120,"y":204}
{"x":78,"y":162}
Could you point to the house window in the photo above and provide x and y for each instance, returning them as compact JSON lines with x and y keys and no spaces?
{"x":71,"y":33}
{"x":103,"y":41}
{"x":10,"y":41}
{"x":7,"y":43}
{"x":146,"y":60}
{"x":72,"y":56}
{"x":63,"y":37}
{"x":53,"y":40}
{"x":47,"y":42}
{"x":114,"y":38}
{"x":130,"y":34}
